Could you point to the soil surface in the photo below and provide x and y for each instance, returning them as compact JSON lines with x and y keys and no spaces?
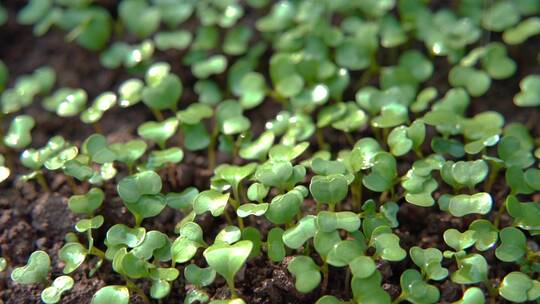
{"x":33,"y":220}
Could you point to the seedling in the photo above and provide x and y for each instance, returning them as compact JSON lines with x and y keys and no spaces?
{"x":35,"y":271}
{"x":227,"y":260}
{"x":299,"y":172}
{"x":52,"y":294}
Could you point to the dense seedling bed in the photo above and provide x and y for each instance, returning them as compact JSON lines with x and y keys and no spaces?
{"x":301,"y":151}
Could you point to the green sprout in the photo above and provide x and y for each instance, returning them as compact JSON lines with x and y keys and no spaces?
{"x":35,"y":271}
{"x":305,"y":135}
{"x":52,"y":294}
{"x":227,"y":260}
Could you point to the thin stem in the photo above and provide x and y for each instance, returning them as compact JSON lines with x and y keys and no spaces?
{"x":232,"y":288}
{"x":398,"y":299}
{"x":228,"y":218}
{"x":356,"y":189}
{"x":236,"y":204}
{"x":318,"y":208}
{"x":320,"y":139}
{"x":157,"y":114}
{"x":42,"y":181}
{"x":325,"y":272}
{"x":90,"y":239}
{"x":131,"y":285}
{"x":138,"y":220}
{"x":349,"y":138}
{"x":97,"y":252}
{"x":500,"y":212}
{"x":72,"y":184}
{"x":492,"y":177}
{"x":212,"y":149}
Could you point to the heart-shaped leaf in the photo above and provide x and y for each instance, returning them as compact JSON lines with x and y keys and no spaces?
{"x":463,"y":204}
{"x":35,"y":271}
{"x":227,"y":259}
{"x":415,"y":290}
{"x":210,"y":200}
{"x":306,"y":273}
{"x":53,"y":293}
{"x":86,"y":203}
{"x":330,"y":189}
{"x":513,"y":245}
{"x":111,"y":294}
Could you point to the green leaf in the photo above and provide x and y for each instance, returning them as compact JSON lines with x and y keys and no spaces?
{"x":330,"y":221}
{"x":53,"y":293}
{"x":274,"y":173}
{"x":156,"y":244}
{"x":246,"y":210}
{"x":35,"y":271}
{"x":523,"y":31}
{"x":529,"y":95}
{"x":215,"y":64}
{"x":91,"y":223}
{"x":362,"y":267}
{"x":519,"y":287}
{"x":275,"y":246}
{"x":391,"y":115}
{"x":182,"y":200}
{"x":66,"y":102}
{"x":463,"y":204}
{"x":472,"y":295}
{"x":130,"y":151}
{"x":476,"y":82}
{"x":229,"y":235}
{"x":111,"y":294}
{"x":121,"y":234}
{"x":472,"y":269}
{"x":210,"y":200}
{"x":500,"y":16}
{"x":258,"y":149}
{"x":369,"y":290}
{"x":227,"y":259}
{"x":416,"y":290}
{"x":344,"y":252}
{"x":133,"y":187}
{"x":96,"y":147}
{"x":330,"y":189}
{"x":306,"y":273}
{"x":18,"y":135}
{"x":164,"y":94}
{"x":297,"y":236}
{"x":329,"y":300}
{"x":383,"y":173}
{"x":457,"y":240}
{"x":199,"y":276}
{"x":387,"y":244}
{"x":158,"y":159}
{"x":158,"y":132}
{"x":139,"y":18}
{"x":526,"y":215}
{"x":86,"y":203}
{"x":485,"y":234}
{"x":130,"y":92}
{"x":195,"y":113}
{"x":513,"y":153}
{"x":429,"y":260}
{"x":177,"y":40}
{"x":497,"y":63}
{"x":513,"y":245}
{"x":283,"y":208}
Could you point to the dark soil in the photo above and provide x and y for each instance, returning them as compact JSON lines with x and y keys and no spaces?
{"x":32,"y":220}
